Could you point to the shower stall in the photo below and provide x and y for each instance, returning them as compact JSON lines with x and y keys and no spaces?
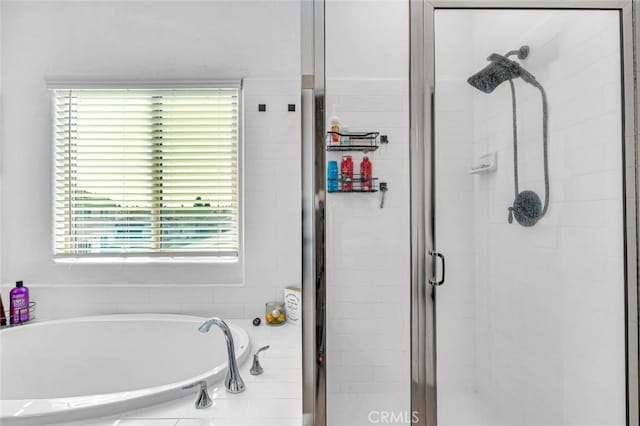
{"x":525,"y":111}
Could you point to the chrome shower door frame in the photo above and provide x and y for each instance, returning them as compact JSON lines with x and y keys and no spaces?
{"x":313,"y":232}
{"x":422,"y":85}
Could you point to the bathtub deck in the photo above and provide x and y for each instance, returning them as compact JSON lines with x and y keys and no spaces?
{"x":273,"y":398}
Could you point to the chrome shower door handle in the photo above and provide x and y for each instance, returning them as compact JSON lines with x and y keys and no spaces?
{"x":435,"y":281}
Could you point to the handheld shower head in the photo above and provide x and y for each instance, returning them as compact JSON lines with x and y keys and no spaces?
{"x":498,"y":71}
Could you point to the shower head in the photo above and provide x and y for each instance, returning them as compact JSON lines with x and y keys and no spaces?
{"x":500,"y":70}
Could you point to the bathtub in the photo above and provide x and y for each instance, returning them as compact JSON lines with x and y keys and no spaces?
{"x":64,"y":370}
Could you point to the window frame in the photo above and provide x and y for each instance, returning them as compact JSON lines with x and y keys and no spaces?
{"x":92,"y":83}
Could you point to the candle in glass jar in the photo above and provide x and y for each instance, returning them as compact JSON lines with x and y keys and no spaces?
{"x":275,"y":313}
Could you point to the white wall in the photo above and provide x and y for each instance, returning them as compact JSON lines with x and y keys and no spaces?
{"x":1,"y":138}
{"x":258,"y":41}
{"x":531,"y":320}
{"x":368,"y":283}
{"x":306,"y":36}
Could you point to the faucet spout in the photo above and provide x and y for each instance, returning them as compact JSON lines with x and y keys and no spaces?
{"x":233,"y":383}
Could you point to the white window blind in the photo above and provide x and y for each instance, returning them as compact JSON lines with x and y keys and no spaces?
{"x":146,"y":171}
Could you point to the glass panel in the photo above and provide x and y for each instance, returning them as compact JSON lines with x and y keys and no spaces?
{"x":530,"y":323}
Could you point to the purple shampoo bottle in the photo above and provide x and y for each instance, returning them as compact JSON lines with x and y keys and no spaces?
{"x":19,"y":303}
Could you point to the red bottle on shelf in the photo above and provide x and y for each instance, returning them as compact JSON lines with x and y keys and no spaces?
{"x":366,"y":174}
{"x":346,"y":173}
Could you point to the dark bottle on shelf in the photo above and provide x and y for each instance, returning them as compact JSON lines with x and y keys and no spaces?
{"x":3,"y":317}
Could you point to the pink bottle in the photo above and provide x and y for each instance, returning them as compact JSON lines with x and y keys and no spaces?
{"x":19,"y":304}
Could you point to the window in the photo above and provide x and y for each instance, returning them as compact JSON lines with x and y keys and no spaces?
{"x":146,"y":172}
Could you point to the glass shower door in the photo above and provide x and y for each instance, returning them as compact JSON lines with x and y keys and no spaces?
{"x":530,"y":323}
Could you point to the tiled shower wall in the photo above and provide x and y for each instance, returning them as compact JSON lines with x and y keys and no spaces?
{"x":210,"y":40}
{"x":368,"y":286}
{"x":537,"y":313}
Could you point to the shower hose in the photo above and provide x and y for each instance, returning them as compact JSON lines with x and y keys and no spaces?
{"x":545,"y":136}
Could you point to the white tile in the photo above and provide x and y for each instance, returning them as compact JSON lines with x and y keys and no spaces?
{"x":198,"y":422}
{"x":104,"y":421}
{"x":239,"y":422}
{"x":275,"y":408}
{"x":224,"y":310}
{"x":146,"y":422}
{"x":260,"y":87}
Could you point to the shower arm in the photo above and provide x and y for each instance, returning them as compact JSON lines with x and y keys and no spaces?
{"x":522,"y":53}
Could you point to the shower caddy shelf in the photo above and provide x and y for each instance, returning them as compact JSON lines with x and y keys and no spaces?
{"x":356,"y":183}
{"x":356,"y":141}
{"x":32,"y":316}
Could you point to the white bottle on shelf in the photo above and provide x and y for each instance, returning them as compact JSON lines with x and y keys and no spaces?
{"x":334,"y":127}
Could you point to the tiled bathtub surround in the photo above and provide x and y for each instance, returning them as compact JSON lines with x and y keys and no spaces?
{"x":271,"y":399}
{"x":531,"y":317}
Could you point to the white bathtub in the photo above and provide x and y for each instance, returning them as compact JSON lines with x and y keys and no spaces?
{"x":65,"y":370}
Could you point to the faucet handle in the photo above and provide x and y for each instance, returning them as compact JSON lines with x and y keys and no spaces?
{"x":203,"y":400}
{"x":256,"y":368}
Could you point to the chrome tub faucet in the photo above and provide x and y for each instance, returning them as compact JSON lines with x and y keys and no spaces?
{"x":233,"y":382}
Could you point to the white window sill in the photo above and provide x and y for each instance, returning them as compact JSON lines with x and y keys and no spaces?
{"x":146,"y":260}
